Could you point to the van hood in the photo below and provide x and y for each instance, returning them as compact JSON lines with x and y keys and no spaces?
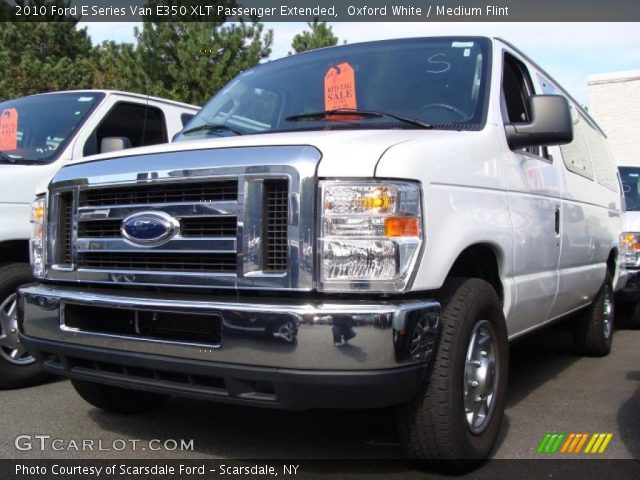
{"x":19,"y":183}
{"x":347,"y":153}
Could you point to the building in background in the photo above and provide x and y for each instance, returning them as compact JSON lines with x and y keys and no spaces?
{"x":614,"y":102}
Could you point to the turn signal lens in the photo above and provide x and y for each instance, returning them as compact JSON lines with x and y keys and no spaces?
{"x":401,"y":227}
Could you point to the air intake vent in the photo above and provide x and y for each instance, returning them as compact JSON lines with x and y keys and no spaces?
{"x":161,"y":193}
{"x":143,"y":261}
{"x":65,"y":221}
{"x":274,"y":235}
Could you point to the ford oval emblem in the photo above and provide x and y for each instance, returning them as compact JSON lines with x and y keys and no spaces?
{"x":149,"y":229}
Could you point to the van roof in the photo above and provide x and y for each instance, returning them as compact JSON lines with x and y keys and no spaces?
{"x":121,"y":92}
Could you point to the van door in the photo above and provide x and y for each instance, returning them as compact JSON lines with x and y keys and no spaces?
{"x":534,"y":196}
{"x":588,"y":208}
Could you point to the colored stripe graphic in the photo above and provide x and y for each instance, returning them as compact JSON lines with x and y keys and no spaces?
{"x":551,"y":442}
{"x":573,"y":443}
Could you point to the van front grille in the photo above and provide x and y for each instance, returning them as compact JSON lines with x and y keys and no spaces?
{"x":276,"y":207}
{"x":161,"y":193}
{"x":147,"y":261}
{"x":190,"y":227}
{"x":65,"y":222}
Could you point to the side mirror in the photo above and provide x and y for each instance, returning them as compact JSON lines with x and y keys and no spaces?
{"x":550,"y":124}
{"x":114,"y":144}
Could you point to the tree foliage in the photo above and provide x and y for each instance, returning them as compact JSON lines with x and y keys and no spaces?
{"x":43,"y":56}
{"x":319,"y":35}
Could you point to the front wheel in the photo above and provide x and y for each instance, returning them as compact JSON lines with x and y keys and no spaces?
{"x":459,"y":411}
{"x":17,"y":367}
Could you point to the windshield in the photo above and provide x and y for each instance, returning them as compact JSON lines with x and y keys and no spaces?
{"x":440,"y":82}
{"x":630,"y":178}
{"x":35,"y":129}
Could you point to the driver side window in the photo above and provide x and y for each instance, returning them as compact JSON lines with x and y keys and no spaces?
{"x":516,"y":90}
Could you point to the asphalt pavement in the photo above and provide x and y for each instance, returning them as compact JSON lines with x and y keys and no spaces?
{"x":551,"y":390}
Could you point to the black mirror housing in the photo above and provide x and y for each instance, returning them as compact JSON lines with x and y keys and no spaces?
{"x":550,"y":124}
{"x":114,"y":144}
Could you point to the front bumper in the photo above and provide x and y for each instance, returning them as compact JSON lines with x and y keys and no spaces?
{"x":279,"y":353}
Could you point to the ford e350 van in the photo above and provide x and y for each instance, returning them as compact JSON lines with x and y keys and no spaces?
{"x":361,"y":226}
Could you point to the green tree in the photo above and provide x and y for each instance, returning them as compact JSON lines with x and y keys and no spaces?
{"x":43,"y":56}
{"x":190,"y":61}
{"x":320,"y":35}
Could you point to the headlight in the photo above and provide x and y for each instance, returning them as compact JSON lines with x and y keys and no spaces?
{"x":630,"y":249}
{"x":37,"y":243}
{"x":370,"y":235}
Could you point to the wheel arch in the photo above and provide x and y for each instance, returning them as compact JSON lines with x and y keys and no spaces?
{"x":480,"y":260}
{"x":14,"y":251}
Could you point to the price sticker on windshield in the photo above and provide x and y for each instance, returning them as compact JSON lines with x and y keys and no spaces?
{"x":9,"y":129}
{"x":340,"y":87}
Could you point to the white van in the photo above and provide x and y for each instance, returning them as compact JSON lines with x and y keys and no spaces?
{"x":38,"y":135}
{"x":630,"y":242}
{"x":359,"y":226}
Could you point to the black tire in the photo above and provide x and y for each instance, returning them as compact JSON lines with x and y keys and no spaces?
{"x":118,"y":400}
{"x":434,"y":425}
{"x":593,"y":328}
{"x":25,"y":371}
{"x":634,"y":317}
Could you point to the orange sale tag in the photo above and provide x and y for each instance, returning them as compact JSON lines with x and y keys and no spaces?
{"x":340,"y":87}
{"x":9,"y":129}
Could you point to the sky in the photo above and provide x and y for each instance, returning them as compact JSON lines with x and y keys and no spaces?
{"x":569,"y":52}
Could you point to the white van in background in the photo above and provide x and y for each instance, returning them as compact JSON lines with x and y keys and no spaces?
{"x":38,"y":135}
{"x":630,"y":242}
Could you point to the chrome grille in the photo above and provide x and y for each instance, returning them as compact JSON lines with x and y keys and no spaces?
{"x":275,"y":225}
{"x":244,"y":218}
{"x":65,"y":221}
{"x":191,"y":227}
{"x":178,"y":262}
{"x":172,"y":193}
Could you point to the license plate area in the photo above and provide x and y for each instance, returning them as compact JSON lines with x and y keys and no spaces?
{"x":202,"y":329}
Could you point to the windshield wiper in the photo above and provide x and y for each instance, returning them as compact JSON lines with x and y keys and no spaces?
{"x":7,"y":158}
{"x":212,"y":127}
{"x":361,"y":113}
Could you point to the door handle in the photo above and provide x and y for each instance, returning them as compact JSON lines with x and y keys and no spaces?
{"x":557,"y":220}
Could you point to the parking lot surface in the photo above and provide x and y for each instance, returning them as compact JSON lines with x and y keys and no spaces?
{"x":551,"y":390}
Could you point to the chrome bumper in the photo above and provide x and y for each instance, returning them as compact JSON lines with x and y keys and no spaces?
{"x":283,"y":333}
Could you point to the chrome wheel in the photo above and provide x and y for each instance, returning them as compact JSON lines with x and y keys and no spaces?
{"x":10,"y":348}
{"x":607,"y":309}
{"x":480,"y":377}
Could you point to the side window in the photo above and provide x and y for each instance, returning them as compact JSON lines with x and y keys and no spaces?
{"x":141,"y":124}
{"x":576,"y":154}
{"x":516,"y":90}
{"x":601,"y":159}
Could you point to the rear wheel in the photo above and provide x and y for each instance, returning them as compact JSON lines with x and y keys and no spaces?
{"x":459,"y":411}
{"x":17,"y":367}
{"x":593,"y":328}
{"x":118,"y":400}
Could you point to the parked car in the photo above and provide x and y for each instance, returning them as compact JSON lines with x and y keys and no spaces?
{"x":630,"y":242}
{"x":38,"y":135}
{"x":409,"y":205}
